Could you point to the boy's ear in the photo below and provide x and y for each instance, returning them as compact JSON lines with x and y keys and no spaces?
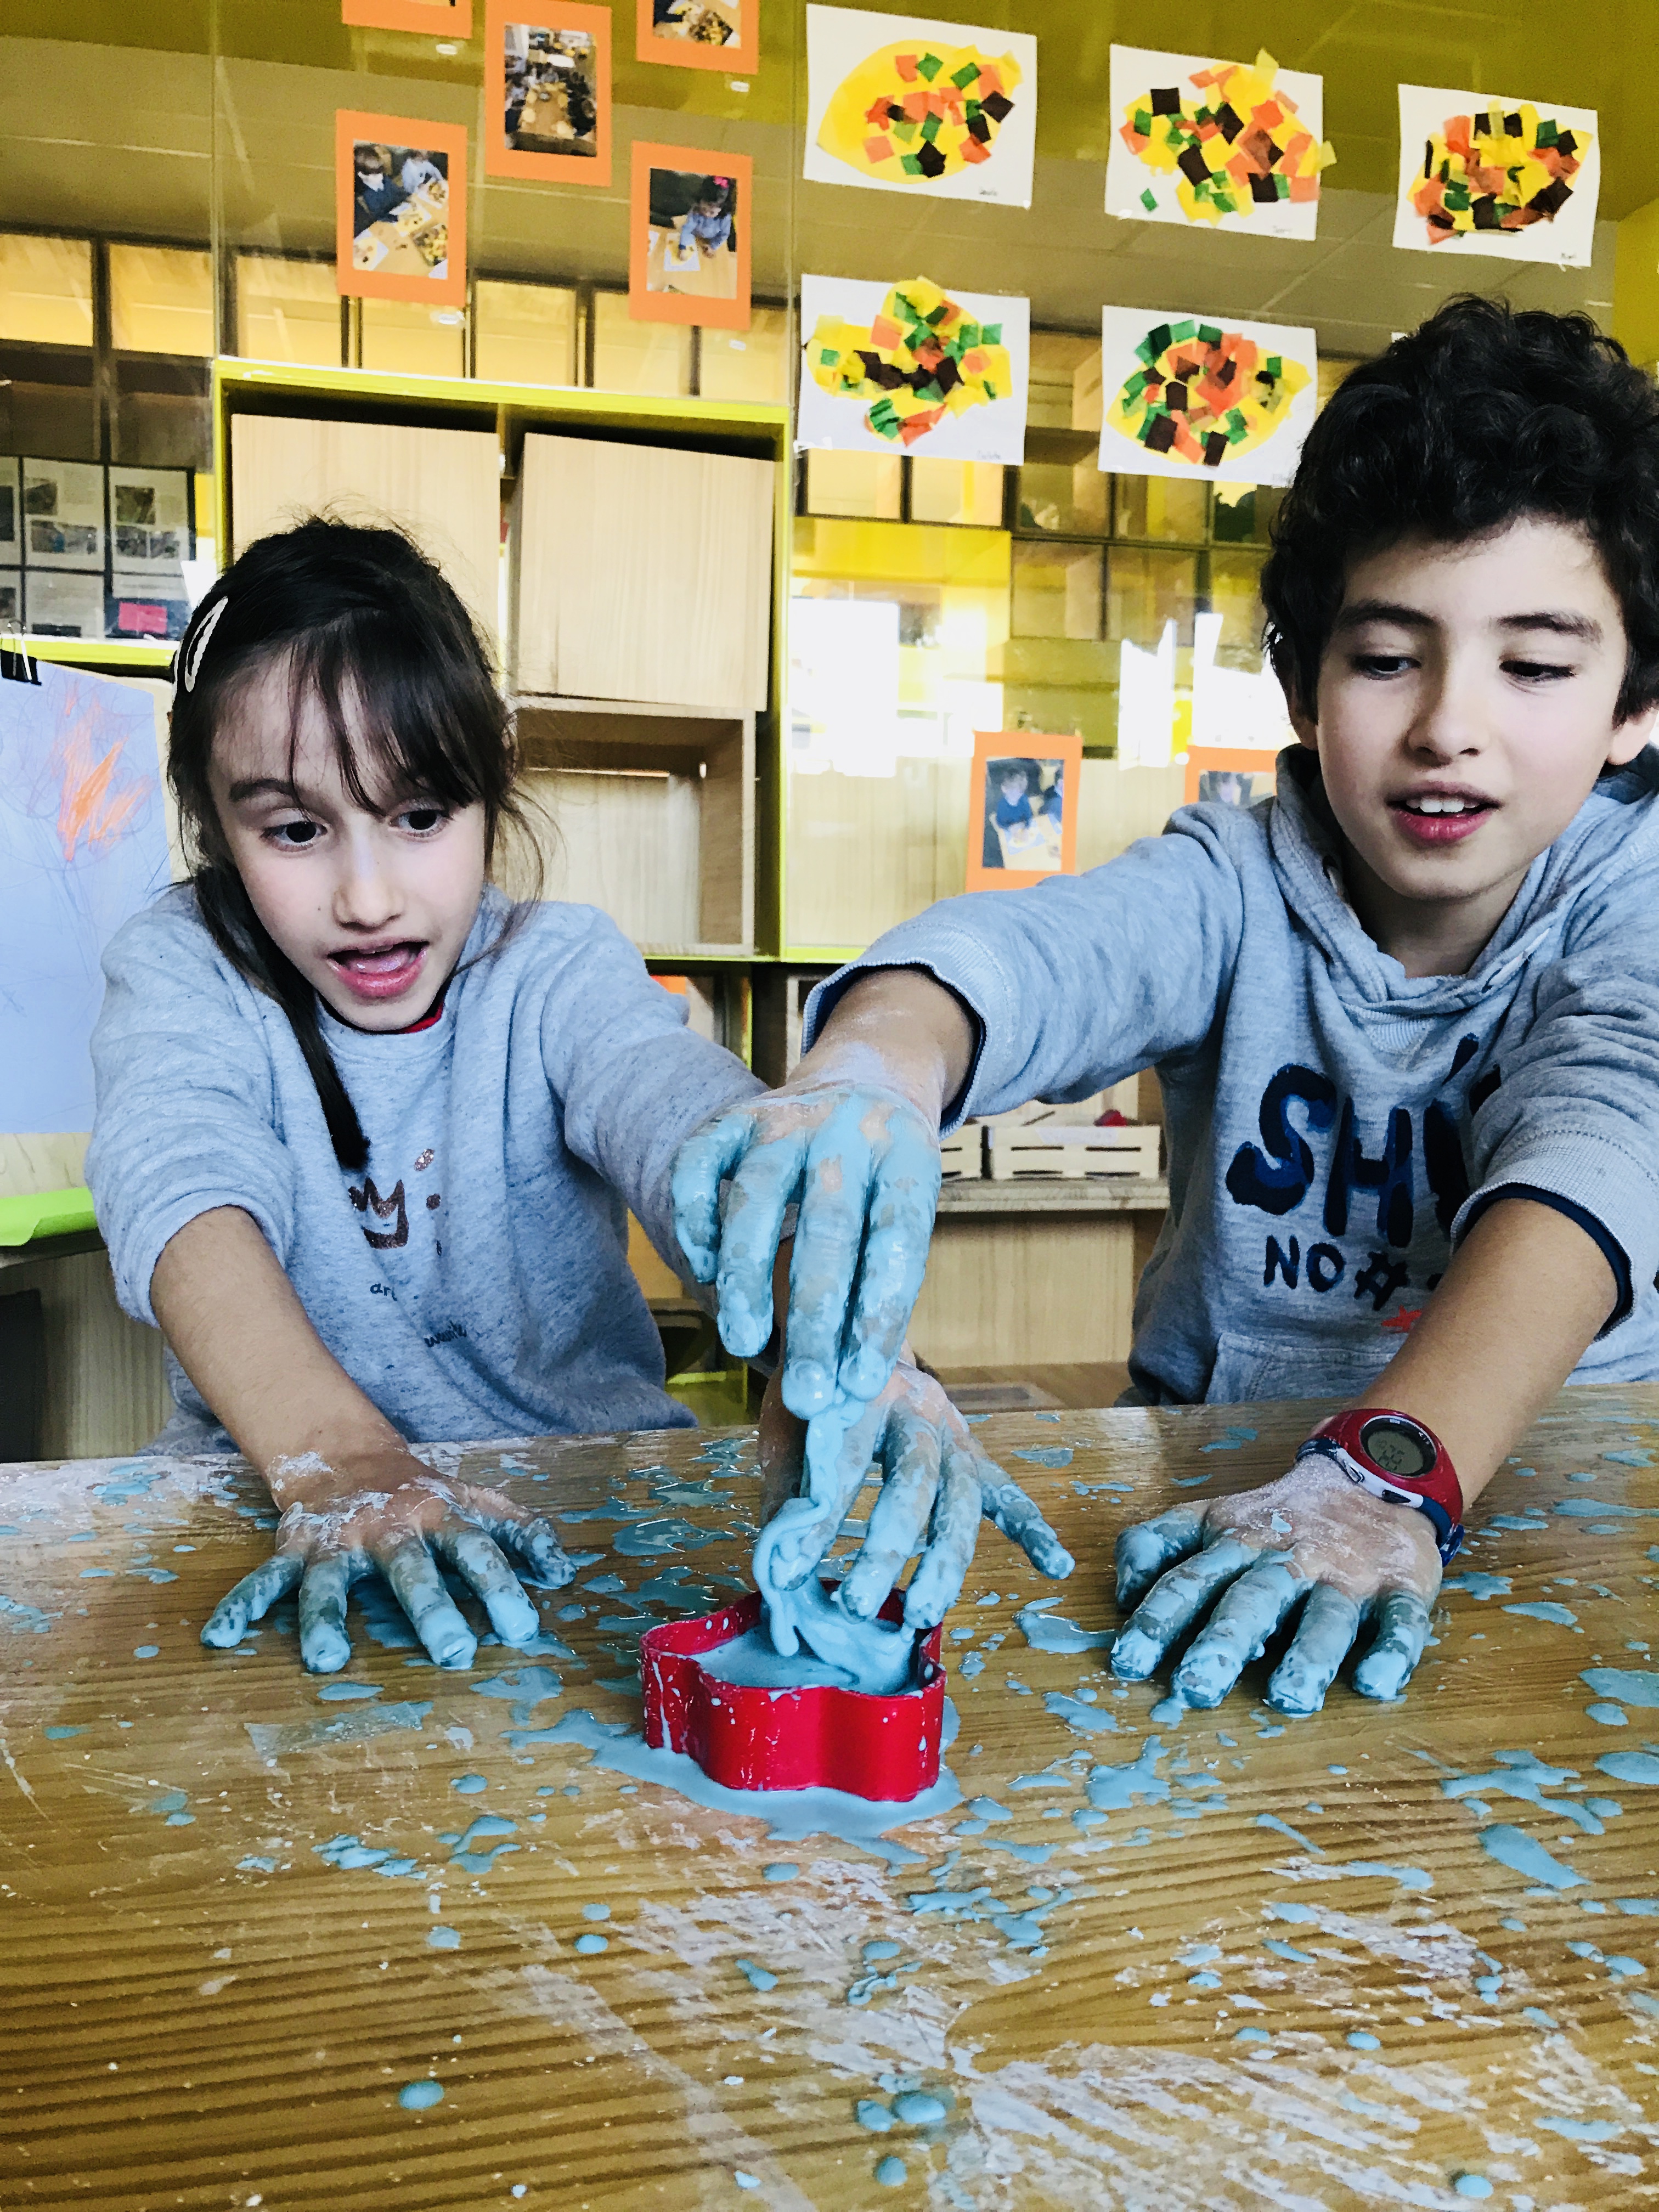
{"x":1629,"y":737}
{"x":1304,"y":724}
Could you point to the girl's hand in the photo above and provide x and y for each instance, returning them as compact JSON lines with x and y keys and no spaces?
{"x":1311,"y":1534}
{"x":383,"y":1508}
{"x":862,"y":1164}
{"x":937,"y":1486}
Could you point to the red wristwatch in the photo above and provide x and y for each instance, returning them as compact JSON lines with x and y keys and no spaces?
{"x":1397,"y":1459}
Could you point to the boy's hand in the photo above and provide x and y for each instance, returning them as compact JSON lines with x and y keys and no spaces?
{"x":1313,"y":1535}
{"x":936,"y":1487}
{"x":385,"y":1509}
{"x":861,"y":1162}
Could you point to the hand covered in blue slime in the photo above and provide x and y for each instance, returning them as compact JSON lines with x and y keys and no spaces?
{"x":936,"y":1487}
{"x":385,"y":1510}
{"x":861,"y":1163}
{"x":1312,"y":1540}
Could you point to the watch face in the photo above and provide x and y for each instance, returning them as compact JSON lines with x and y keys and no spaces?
{"x":1397,"y":1447}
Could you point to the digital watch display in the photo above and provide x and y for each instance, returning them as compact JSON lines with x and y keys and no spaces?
{"x":1397,"y":1459}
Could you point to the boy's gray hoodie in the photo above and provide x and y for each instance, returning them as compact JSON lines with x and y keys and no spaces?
{"x":1334,"y":1126}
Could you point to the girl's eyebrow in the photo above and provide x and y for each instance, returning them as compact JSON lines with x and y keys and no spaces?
{"x":260,"y":786}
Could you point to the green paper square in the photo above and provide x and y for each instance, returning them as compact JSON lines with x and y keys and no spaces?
{"x":1149,"y":201}
{"x":908,"y":163}
{"x":929,"y":66}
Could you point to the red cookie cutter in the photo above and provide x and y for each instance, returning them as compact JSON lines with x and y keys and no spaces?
{"x":748,"y":1737}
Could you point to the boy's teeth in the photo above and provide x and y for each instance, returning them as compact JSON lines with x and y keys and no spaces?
{"x":1439,"y":805}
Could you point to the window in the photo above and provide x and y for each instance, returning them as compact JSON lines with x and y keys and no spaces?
{"x":956,"y":491}
{"x":527,"y":333}
{"x":870,"y":486}
{"x":287,"y":310}
{"x":1057,"y":590}
{"x":638,"y":357}
{"x":406,"y":337}
{"x":161,"y":299}
{"x":1162,"y":507}
{"x":45,"y":289}
{"x":751,"y":364}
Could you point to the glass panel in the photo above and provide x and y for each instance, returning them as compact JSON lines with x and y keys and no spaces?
{"x":1162,"y":507}
{"x":1059,"y":374}
{"x":868,"y":484}
{"x":1234,"y":595}
{"x":404,"y":337}
{"x":1057,"y":590}
{"x":45,"y":289}
{"x":956,"y":491}
{"x":526,"y":333}
{"x":1144,"y":590}
{"x":1242,"y":514}
{"x":638,"y":357}
{"x":161,"y":299}
{"x":287,"y":310}
{"x":1063,"y":487}
{"x":895,"y":633}
{"x":751,"y":364}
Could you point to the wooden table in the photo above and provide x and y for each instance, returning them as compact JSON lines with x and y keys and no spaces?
{"x":715,"y":278}
{"x":1286,"y":1973}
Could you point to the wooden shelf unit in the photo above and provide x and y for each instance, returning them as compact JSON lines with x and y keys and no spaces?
{"x":668,"y":814}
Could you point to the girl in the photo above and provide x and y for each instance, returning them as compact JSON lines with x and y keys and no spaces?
{"x":367,"y":1133}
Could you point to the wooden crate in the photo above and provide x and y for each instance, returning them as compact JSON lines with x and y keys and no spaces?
{"x":962,"y":1156}
{"x":647,"y":812}
{"x":642,"y":572}
{"x":443,"y":487}
{"x":1071,"y":1149}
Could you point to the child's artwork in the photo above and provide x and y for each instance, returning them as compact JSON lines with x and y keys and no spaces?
{"x":945,"y":111}
{"x":1022,"y":809}
{"x":548,"y":91}
{"x":1233,"y":144}
{"x":908,"y":367}
{"x":433,"y":19}
{"x":709,"y":34}
{"x":1187,"y":397}
{"x":82,"y":847}
{"x":1514,"y":178}
{"x":690,"y":217}
{"x":400,"y":208}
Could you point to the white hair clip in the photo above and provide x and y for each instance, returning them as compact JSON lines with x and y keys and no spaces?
{"x":191,"y":665}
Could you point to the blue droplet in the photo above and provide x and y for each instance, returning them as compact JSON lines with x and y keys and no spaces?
{"x":1472,"y":2184}
{"x":443,"y":1939}
{"x":420,"y":2096}
{"x":469,"y":1784}
{"x":918,"y":2110}
{"x":596,"y":1913}
{"x":890,"y":2173}
{"x":1360,"y":2040}
{"x":780,"y":1870}
{"x":589,"y":1944}
{"x":145,"y":1650}
{"x":1252,"y":2035}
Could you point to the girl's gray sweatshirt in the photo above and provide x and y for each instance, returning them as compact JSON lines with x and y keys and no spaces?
{"x":473,"y":1280}
{"x":1333,"y":1126}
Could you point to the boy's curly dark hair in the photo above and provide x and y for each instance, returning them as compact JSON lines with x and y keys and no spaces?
{"x":1479,"y":416}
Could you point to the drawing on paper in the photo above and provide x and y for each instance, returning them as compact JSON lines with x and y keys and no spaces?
{"x":82,"y":847}
{"x":1215,"y":141}
{"x":1188,"y":395}
{"x":942,"y":109}
{"x":1517,"y":179}
{"x":922,"y":357}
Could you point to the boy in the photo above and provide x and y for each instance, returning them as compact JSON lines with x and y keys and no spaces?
{"x":1406,"y":1017}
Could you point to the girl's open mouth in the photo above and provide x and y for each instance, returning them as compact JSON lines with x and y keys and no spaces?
{"x":380,"y":971}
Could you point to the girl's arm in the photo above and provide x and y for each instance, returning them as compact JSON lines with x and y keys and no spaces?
{"x":351,"y":1493}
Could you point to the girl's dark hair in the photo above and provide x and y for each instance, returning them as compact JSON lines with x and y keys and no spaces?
{"x":361,"y":622}
{"x":1480,"y":417}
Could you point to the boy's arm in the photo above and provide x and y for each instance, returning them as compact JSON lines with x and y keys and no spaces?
{"x":346,"y":1484}
{"x":978,"y":1005}
{"x":1488,"y":1353}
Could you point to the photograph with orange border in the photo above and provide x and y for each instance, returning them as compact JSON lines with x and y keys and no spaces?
{"x":437,"y":19}
{"x":547,"y":91}
{"x":706,"y":34}
{"x":1022,"y":797}
{"x":400,"y":208}
{"x":690,"y":214}
{"x":1233,"y":774}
